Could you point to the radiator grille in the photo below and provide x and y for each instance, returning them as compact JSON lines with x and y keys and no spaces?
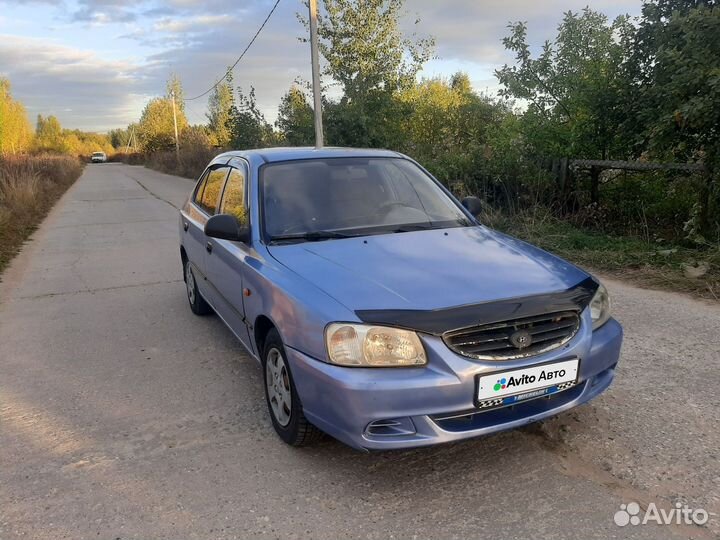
{"x":515,"y":338}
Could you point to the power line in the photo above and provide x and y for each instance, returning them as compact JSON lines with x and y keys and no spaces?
{"x":214,"y":86}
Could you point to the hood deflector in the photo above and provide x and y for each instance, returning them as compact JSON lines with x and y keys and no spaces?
{"x":439,"y":321}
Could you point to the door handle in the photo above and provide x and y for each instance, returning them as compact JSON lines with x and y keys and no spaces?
{"x":185,"y":226}
{"x":208,"y":247}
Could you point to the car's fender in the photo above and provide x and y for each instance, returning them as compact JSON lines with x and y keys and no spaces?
{"x":297,"y":308}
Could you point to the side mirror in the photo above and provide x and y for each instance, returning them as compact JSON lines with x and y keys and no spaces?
{"x":473,"y":205}
{"x":227,"y":227}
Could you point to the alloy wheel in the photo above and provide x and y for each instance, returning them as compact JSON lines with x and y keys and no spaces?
{"x":190,"y":283}
{"x":278,"y":387}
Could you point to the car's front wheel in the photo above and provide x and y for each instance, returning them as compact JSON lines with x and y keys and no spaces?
{"x":283,"y":403}
{"x":197,"y":303}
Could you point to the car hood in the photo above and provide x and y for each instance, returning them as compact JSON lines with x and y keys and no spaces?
{"x":427,"y":270}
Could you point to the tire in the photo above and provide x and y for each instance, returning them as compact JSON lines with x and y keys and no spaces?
{"x":198,"y":305}
{"x":287,"y":419}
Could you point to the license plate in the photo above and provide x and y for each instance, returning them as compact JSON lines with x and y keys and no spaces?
{"x":508,"y":387}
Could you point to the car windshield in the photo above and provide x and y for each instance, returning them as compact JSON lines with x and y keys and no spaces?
{"x":97,"y":154}
{"x":332,"y":198}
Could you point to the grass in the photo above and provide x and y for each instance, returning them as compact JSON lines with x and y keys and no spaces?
{"x":192,"y":162}
{"x":648,"y":264}
{"x":133,"y":158}
{"x":29,"y":187}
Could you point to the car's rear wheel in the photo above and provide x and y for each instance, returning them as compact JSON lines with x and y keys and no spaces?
{"x":197,"y":303}
{"x":285,"y":409}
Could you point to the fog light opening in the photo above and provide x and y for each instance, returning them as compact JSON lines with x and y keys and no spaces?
{"x":391,"y":427}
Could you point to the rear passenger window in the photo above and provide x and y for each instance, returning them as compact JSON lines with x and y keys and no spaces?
{"x":233,"y":201}
{"x":208,"y":195}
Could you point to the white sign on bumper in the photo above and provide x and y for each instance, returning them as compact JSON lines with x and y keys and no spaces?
{"x":529,"y":380}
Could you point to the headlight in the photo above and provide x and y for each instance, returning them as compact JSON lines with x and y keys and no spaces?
{"x":600,"y":307}
{"x":373,"y":346}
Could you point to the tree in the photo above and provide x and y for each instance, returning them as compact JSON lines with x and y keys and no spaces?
{"x":681,"y":78}
{"x":15,"y":129}
{"x":680,"y":86}
{"x":295,"y":118}
{"x":431,"y":131}
{"x":156,"y":130}
{"x":248,"y":127}
{"x":365,"y":49}
{"x":220,"y":104}
{"x":447,"y":128}
{"x":575,"y":87}
{"x":119,"y":137}
{"x":367,"y":54}
{"x":82,"y":143}
{"x":49,"y":135}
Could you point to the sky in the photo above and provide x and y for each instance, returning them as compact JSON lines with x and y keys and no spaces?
{"x":95,"y":63}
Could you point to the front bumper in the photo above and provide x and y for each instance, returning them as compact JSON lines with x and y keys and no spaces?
{"x":434,"y":404}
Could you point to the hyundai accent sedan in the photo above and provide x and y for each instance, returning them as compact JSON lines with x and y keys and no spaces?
{"x":381,"y":309}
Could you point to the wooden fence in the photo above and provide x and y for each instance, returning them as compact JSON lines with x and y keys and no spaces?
{"x":563,"y":170}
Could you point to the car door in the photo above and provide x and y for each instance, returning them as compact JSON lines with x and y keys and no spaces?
{"x":202,"y":205}
{"x":226,"y":259}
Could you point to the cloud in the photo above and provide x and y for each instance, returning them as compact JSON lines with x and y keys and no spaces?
{"x":206,"y":45}
{"x":198,"y":39}
{"x":114,"y":11}
{"x":103,"y":12}
{"x":82,"y":89}
{"x":200,"y":23}
{"x":472,"y":30}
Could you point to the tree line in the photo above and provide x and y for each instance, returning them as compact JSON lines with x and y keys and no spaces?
{"x":17,"y":135}
{"x":645,"y":88}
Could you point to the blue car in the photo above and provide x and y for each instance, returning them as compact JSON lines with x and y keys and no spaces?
{"x":381,"y":310}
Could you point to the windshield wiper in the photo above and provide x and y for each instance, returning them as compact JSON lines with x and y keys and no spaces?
{"x":310,"y":236}
{"x":414,"y":227}
{"x":410,"y":227}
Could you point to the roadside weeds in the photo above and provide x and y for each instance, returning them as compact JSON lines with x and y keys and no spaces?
{"x":654,"y":265}
{"x":29,"y":187}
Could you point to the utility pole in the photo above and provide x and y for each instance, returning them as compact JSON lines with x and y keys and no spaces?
{"x":131,"y":141}
{"x":177,"y":143}
{"x":317,"y":98}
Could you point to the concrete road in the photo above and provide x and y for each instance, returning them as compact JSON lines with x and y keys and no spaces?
{"x":122,"y":415}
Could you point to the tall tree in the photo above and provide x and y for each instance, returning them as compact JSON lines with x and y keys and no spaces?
{"x":368,"y":55}
{"x":156,"y":130}
{"x":248,"y":127}
{"x":220,"y":104}
{"x":119,"y":137}
{"x":448,"y":128}
{"x":49,"y":135}
{"x":295,"y":118}
{"x":15,"y":129}
{"x":680,"y":87}
{"x":365,"y":49}
{"x":575,"y":86}
{"x":681,"y":77}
